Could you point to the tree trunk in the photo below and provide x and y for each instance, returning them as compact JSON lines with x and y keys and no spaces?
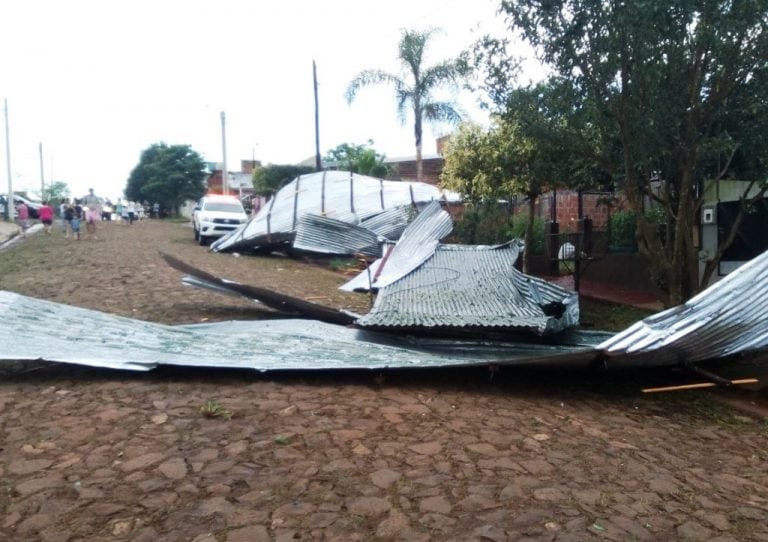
{"x":417,"y":132}
{"x":529,"y":234}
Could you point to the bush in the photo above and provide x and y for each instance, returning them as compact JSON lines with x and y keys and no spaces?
{"x":517,"y":226}
{"x":621,"y":231}
{"x":621,"y":228}
{"x":483,"y":224}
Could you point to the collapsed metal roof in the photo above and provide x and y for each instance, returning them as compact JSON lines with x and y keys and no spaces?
{"x":326,"y":235}
{"x":38,"y":330}
{"x":423,"y":284}
{"x":471,"y":287}
{"x":341,"y":195}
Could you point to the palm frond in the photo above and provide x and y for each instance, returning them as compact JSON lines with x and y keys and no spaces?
{"x":370,"y":77}
{"x":445,"y":72}
{"x":441,"y":112}
{"x":411,"y":49}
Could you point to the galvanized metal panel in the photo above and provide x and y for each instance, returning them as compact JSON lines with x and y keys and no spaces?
{"x":416,"y":245}
{"x":34,"y":329}
{"x":335,"y":194}
{"x":330,"y":236}
{"x":472,"y":287}
{"x":729,"y":317}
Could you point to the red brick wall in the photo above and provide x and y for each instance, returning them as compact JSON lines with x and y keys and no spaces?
{"x":431,"y":168}
{"x":593,"y":206}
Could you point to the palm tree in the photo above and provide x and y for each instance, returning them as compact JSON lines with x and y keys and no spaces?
{"x":416,"y":90}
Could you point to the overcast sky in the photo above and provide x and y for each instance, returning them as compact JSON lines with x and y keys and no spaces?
{"x":96,"y":82}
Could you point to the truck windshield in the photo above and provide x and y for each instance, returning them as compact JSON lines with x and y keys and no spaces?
{"x":224,"y":207}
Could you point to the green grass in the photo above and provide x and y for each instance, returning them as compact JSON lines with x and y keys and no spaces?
{"x":607,"y":316}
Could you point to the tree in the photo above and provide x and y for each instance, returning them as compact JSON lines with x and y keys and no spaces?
{"x":55,"y":192}
{"x":663,"y":86}
{"x":360,"y":159}
{"x":416,"y":87}
{"x":515,"y":156}
{"x":268,"y":180}
{"x":170,"y":174}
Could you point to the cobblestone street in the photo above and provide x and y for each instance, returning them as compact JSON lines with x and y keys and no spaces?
{"x":231,"y":456}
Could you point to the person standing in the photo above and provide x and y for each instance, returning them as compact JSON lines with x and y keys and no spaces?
{"x":76,"y":220}
{"x":119,"y":208}
{"x":131,"y":209}
{"x":45,"y":213}
{"x":92,"y":206}
{"x":63,"y":204}
{"x":68,"y":217}
{"x":22,"y":218}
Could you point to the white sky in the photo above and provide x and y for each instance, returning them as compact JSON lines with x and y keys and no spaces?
{"x":97,"y":82}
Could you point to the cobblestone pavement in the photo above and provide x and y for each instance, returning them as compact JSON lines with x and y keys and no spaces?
{"x":180,"y":454}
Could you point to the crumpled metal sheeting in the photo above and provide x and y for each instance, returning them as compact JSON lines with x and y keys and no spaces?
{"x":472,"y":287}
{"x":729,"y":317}
{"x":335,"y":194}
{"x":417,"y":244}
{"x":330,"y":236}
{"x":391,"y":223}
{"x":34,"y":329}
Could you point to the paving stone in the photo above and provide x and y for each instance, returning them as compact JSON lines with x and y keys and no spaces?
{"x":28,"y":466}
{"x":141,"y":462}
{"x":438,"y":504}
{"x":384,"y":478}
{"x":252,"y":533}
{"x":427,"y":448}
{"x":369,"y":506}
{"x":34,"y":485}
{"x":691,"y":530}
{"x":175,"y":468}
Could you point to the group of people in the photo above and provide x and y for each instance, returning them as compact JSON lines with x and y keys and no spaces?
{"x":130,"y":211}
{"x":73,"y":213}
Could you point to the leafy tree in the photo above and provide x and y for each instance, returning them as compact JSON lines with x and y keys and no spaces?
{"x":515,"y":156}
{"x":360,"y":159}
{"x":269,"y":179}
{"x":416,"y":86}
{"x":55,"y":192}
{"x":170,"y":174}
{"x":666,"y":88}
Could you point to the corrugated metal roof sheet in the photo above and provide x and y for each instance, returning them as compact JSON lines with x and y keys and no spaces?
{"x":473,"y":287}
{"x":415,"y":246}
{"x":729,"y":317}
{"x":335,"y":194}
{"x":35,"y":329}
{"x":330,"y":236}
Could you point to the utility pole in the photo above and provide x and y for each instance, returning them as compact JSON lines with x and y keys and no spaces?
{"x":318,"y":162}
{"x":224,"y":171}
{"x":9,"y":201}
{"x":42,"y":176}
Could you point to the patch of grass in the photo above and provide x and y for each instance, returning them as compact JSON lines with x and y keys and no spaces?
{"x":213,"y":409}
{"x":343,"y":265}
{"x":282,"y":440}
{"x":708,"y":408}
{"x":607,"y":316}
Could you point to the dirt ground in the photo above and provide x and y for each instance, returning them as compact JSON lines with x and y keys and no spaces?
{"x":196,"y":455}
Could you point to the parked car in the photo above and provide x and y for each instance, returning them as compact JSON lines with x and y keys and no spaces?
{"x":33,"y":206}
{"x":214,"y":216}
